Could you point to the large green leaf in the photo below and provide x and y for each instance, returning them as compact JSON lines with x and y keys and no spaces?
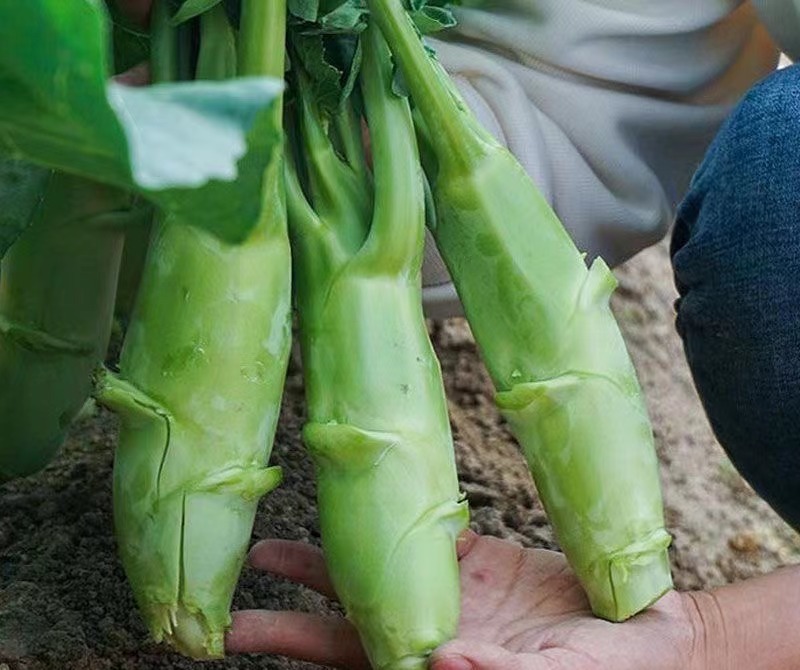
{"x":304,"y":9}
{"x":198,"y":149}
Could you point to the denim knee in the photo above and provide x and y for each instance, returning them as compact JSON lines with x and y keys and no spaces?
{"x":736,"y":258}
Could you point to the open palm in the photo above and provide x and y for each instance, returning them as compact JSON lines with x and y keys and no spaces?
{"x":522,"y":609}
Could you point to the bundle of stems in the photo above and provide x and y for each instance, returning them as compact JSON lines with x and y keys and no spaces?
{"x":206,"y":300}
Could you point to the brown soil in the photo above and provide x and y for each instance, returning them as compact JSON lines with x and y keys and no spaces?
{"x":65,"y":605}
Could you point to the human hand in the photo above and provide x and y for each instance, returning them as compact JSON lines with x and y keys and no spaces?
{"x":138,"y":13}
{"x":522,"y":609}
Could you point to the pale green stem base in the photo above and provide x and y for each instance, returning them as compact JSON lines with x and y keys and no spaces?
{"x":390,"y":508}
{"x":202,"y":373}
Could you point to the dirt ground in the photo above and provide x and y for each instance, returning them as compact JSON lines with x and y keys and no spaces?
{"x":65,"y":605}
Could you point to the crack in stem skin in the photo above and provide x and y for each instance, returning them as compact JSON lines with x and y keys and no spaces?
{"x":201,"y":378}
{"x":197,"y":429}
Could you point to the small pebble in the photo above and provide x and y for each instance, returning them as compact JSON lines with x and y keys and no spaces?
{"x":745,"y":543}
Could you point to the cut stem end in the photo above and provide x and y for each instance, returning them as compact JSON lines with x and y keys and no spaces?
{"x":635,"y":582}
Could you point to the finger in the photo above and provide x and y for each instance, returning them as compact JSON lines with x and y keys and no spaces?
{"x":138,"y":75}
{"x":467,"y":655}
{"x":137,"y":11}
{"x":297,"y":561}
{"x":327,"y":641}
{"x":466,"y":542}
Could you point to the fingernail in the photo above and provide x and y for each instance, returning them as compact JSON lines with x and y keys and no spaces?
{"x":464,"y":543}
{"x":453,"y":663}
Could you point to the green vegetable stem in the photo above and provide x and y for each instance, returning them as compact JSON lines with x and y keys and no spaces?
{"x":378,"y":428}
{"x":541,"y":318}
{"x":200,"y":384}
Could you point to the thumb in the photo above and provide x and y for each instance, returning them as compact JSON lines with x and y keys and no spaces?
{"x":466,"y":655}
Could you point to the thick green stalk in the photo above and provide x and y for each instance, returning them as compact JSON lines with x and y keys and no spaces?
{"x":447,"y":115}
{"x":541,"y":318}
{"x":387,"y":489}
{"x":56,"y":304}
{"x":339,"y":189}
{"x":217,"y":59}
{"x":199,"y":391}
{"x":378,"y":430}
{"x":163,"y":44}
{"x":203,"y":367}
{"x":348,"y":128}
{"x":259,"y":55}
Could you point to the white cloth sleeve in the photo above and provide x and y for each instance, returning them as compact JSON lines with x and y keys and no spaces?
{"x":782,"y":19}
{"x":608,"y":105}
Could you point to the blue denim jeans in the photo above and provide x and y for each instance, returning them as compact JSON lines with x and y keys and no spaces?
{"x":736,"y":257}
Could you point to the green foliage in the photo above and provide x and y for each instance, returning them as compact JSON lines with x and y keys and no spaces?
{"x":326,"y":41}
{"x":307,"y":10}
{"x":431,"y":18}
{"x":60,"y":111}
{"x":348,"y":16}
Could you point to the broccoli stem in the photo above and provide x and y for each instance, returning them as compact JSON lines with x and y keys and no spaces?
{"x":348,"y":126}
{"x":339,"y":188}
{"x":217,"y":59}
{"x":163,"y":44}
{"x":447,"y":115}
{"x":57,"y":296}
{"x":205,"y":358}
{"x":549,"y":340}
{"x":378,"y":427}
{"x":199,"y":391}
{"x":262,"y":40}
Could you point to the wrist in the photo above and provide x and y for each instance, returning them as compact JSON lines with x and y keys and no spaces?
{"x":751,"y":625}
{"x":709,"y":647}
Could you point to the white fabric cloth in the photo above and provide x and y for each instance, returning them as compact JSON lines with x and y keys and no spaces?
{"x":608,"y":104}
{"x":782,"y":19}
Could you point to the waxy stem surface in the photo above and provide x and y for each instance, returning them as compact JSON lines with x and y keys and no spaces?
{"x":549,"y":340}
